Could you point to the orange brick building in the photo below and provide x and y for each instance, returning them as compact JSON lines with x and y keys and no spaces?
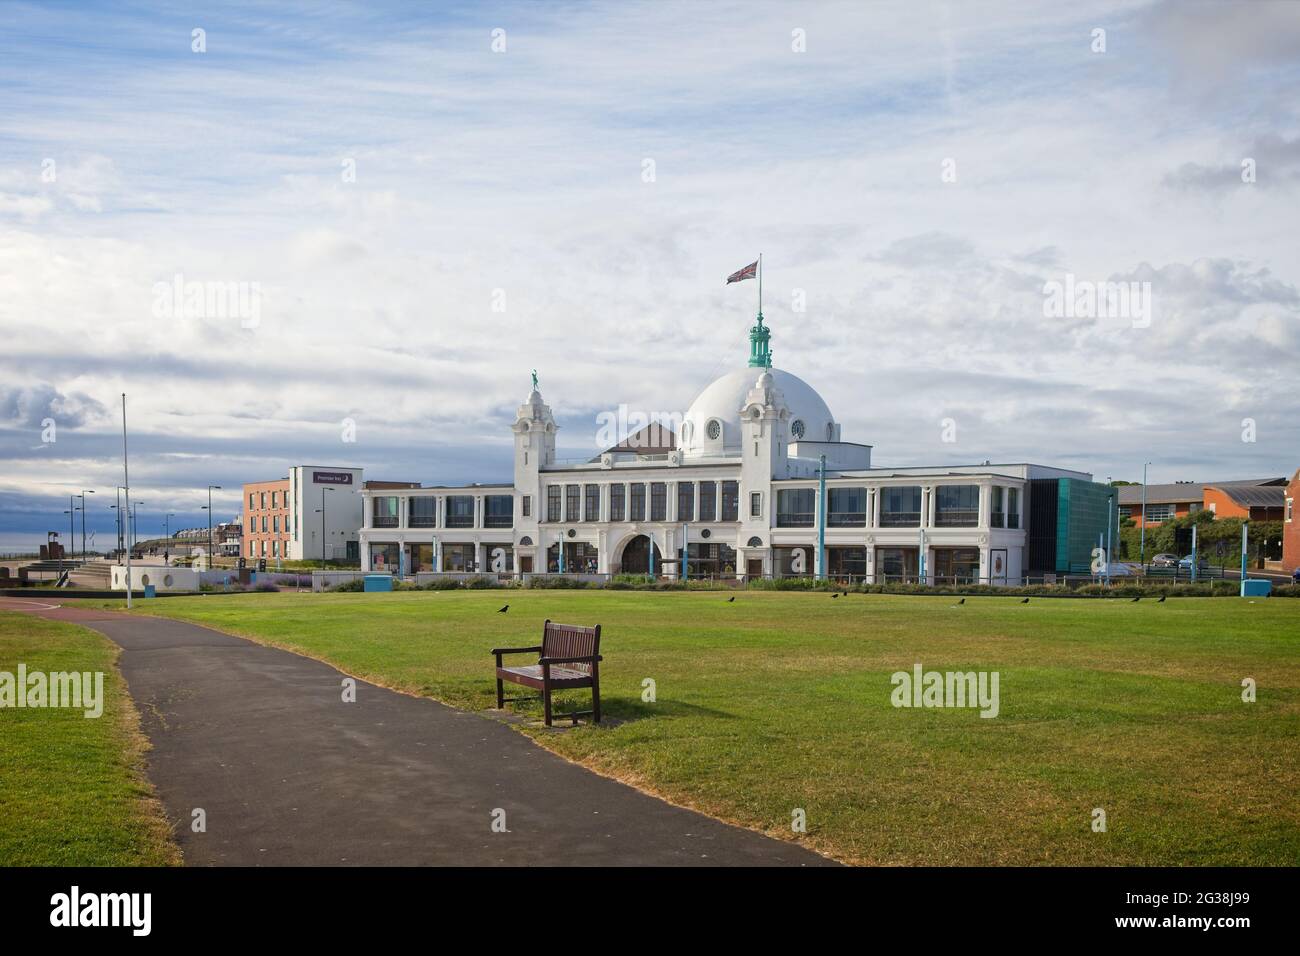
{"x":268,"y":524}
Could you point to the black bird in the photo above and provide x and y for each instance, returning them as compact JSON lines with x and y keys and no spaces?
{"x":1162,"y":599}
{"x":1136,"y":599}
{"x":846,"y":593}
{"x":504,"y":609}
{"x":1025,"y":601}
{"x":836,"y":594}
{"x":962,"y":601}
{"x":732,"y":599}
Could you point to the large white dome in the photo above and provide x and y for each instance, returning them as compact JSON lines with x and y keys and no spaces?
{"x":722,"y":401}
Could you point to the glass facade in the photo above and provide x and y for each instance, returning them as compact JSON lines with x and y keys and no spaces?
{"x":591,"y":503}
{"x":846,"y":508}
{"x":658,"y":501}
{"x":710,"y":561}
{"x":897,"y":564}
{"x":957,"y":565}
{"x":458,"y":557}
{"x":572,"y":499}
{"x":956,"y":506}
{"x":552,"y":502}
{"x":618,"y":502}
{"x":499,"y":511}
{"x":795,"y":507}
{"x":383,"y":511}
{"x":708,"y":501}
{"x":846,"y":564}
{"x":900,"y":507}
{"x":685,"y":501}
{"x":423,"y":512}
{"x":460,"y":511}
{"x":637,"y":510}
{"x":730,"y":501}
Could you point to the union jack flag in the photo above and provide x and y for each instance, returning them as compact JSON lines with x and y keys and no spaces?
{"x":748,"y":272}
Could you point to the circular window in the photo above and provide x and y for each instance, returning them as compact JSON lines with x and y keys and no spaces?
{"x":167,"y":581}
{"x":706,"y":533}
{"x":144,"y":579}
{"x":796,"y":428}
{"x":755,"y":543}
{"x":714,"y":429}
{"x":573,"y":533}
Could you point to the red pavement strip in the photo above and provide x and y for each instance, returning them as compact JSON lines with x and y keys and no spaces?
{"x":289,"y":774}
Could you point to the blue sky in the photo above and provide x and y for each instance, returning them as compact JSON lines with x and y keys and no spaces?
{"x":517,"y":176}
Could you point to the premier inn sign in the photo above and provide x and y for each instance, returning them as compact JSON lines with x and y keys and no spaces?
{"x":331,"y":477}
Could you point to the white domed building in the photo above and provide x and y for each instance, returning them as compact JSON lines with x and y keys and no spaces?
{"x":756,"y":481}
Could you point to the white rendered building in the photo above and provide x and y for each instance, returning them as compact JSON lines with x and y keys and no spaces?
{"x":737,"y":494}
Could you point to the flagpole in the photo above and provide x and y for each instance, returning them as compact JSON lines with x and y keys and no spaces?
{"x":760,"y":286}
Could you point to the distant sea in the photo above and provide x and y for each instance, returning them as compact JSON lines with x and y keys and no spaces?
{"x":23,"y":543}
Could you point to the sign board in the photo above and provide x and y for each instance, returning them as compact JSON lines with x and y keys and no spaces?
{"x":331,"y":477}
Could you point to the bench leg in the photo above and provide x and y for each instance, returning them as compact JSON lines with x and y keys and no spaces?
{"x":546,"y":703}
{"x":500,"y":695}
{"x":595,"y":695}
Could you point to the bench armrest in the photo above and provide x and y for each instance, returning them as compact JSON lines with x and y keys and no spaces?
{"x":589,"y":659}
{"x":516,"y":650}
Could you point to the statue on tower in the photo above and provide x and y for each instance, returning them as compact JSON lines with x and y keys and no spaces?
{"x":534,"y":380}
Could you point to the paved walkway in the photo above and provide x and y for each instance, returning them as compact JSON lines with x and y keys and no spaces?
{"x":288,"y":774}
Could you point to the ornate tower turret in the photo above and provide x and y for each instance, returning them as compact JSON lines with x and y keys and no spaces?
{"x":759,"y":354}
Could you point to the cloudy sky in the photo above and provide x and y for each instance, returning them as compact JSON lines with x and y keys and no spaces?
{"x":421,"y":219}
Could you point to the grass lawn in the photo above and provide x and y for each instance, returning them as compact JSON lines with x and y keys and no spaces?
{"x":781,"y":700}
{"x":73,"y":790}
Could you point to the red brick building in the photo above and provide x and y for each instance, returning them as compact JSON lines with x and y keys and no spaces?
{"x":268,"y":524}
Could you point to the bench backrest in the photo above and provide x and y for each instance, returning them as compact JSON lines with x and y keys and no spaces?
{"x":570,"y":640}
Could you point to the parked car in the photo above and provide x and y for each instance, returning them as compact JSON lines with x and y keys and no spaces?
{"x":1185,"y":563}
{"x":1164,"y":561}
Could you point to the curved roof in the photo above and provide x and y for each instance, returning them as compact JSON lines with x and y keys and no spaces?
{"x":723,"y":400}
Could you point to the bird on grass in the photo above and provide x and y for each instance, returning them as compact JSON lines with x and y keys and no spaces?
{"x":504,"y":609}
{"x":732,"y":599}
{"x":1136,"y":599}
{"x":1162,"y":599}
{"x":836,"y":594}
{"x":1025,"y":601}
{"x":962,"y":601}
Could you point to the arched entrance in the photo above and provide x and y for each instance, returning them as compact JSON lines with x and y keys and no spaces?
{"x":636,"y":556}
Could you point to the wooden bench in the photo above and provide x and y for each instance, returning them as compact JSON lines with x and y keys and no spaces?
{"x":569,"y":657}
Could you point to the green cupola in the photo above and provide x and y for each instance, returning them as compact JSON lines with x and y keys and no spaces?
{"x":760,"y":356}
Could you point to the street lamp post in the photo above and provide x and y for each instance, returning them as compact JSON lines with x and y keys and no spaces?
{"x":209,"y":509}
{"x":72,"y":516}
{"x":1142,"y":532}
{"x":84,"y":492}
{"x":321,"y":509}
{"x":135,"y":523}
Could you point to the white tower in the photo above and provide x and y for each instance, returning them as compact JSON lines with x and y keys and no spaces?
{"x":534,"y":430}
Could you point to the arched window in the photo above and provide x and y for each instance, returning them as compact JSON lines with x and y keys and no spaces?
{"x":755,"y":542}
{"x":525,"y":542}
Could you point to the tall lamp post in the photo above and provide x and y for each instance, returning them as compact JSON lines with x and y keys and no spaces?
{"x":117,"y":523}
{"x":321,"y":509}
{"x":209,"y":509}
{"x":72,"y":525}
{"x":84,"y":492}
{"x":135,"y":523}
{"x":1142,"y":532}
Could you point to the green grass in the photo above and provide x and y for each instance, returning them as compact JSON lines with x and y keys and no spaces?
{"x":782,"y":700}
{"x":73,"y":791}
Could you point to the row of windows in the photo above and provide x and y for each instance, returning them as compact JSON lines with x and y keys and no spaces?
{"x":278,"y":549}
{"x":257,"y":500}
{"x":955,"y":506}
{"x":458,"y":511}
{"x":273,"y":525}
{"x":627,"y":502}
